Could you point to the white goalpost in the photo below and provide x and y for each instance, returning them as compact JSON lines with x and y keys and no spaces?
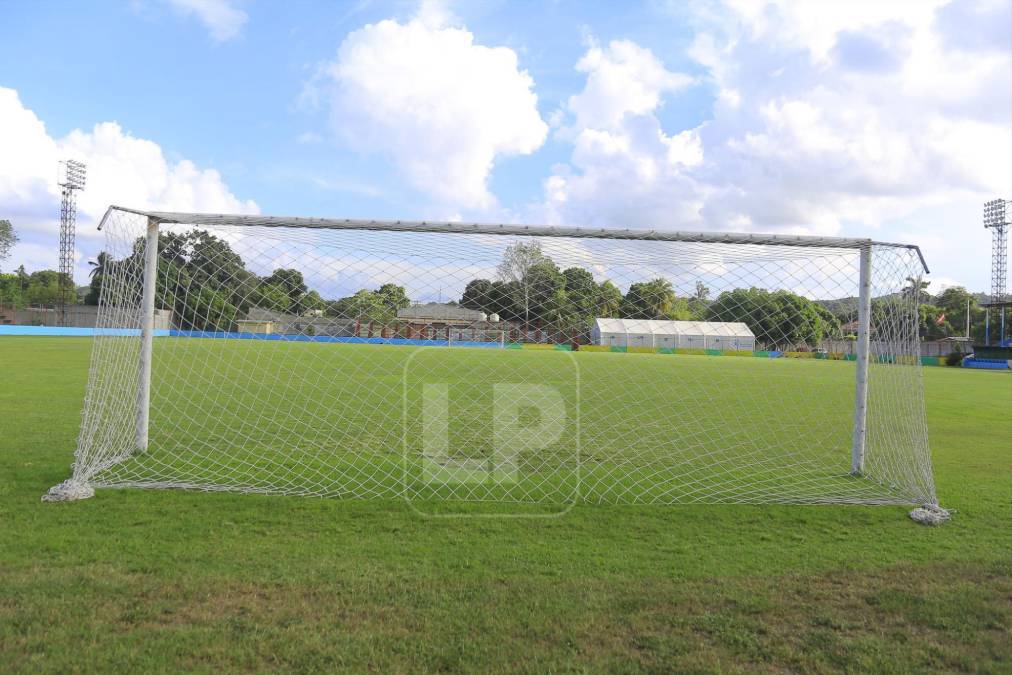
{"x":317,"y":357}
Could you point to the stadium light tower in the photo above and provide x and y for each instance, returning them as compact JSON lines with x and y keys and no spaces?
{"x":71,"y":177}
{"x":996,"y":220}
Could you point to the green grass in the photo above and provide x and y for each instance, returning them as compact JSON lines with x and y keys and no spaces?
{"x":169,"y":580}
{"x":329,"y":419}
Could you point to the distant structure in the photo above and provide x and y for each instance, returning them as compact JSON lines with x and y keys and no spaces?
{"x":996,"y":220}
{"x":720,"y":335}
{"x":71,"y":176}
{"x":436,"y":319}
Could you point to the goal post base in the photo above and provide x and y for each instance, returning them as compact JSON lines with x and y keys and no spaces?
{"x":69,"y":491}
{"x":930,"y":514}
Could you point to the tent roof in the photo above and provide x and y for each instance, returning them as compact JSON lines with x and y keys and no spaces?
{"x":707,"y":328}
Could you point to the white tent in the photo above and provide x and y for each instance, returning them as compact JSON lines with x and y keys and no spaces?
{"x":679,"y":334}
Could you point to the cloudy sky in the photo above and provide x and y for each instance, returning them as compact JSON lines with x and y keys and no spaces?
{"x":880,"y":118}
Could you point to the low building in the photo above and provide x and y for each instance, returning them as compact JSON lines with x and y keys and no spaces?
{"x":435,"y":320}
{"x":720,"y":335}
{"x":441,"y":313}
{"x":255,"y":326}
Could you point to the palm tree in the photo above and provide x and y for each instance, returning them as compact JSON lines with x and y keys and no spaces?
{"x":99,"y":268}
{"x":916,"y":288}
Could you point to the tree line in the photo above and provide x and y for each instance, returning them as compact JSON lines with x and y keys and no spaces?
{"x":532,"y":290}
{"x":21,"y":289}
{"x":207,"y":285}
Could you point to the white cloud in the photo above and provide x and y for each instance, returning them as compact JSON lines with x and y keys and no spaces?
{"x":625,"y":170}
{"x":826,"y":135}
{"x":222,"y":18}
{"x":867,"y":119}
{"x":122,"y":169}
{"x":816,"y":26}
{"x":622,"y":79}
{"x":441,"y":108}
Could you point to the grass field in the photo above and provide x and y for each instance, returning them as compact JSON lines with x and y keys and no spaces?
{"x":169,"y":580}
{"x":346,"y":420}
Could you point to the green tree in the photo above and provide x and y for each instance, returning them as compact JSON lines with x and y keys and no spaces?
{"x":653,"y":299}
{"x":502,"y":300}
{"x":10,"y":290}
{"x":954,"y":302}
{"x":778,"y":319}
{"x":102,"y":266}
{"x":478,"y":295}
{"x":699,"y":302}
{"x":609,"y":300}
{"x":271,"y":296}
{"x":362,"y":306}
{"x":209,"y":310}
{"x":44,"y":288}
{"x":917,"y":289}
{"x":933,"y":323}
{"x":173,"y":288}
{"x":212,"y":261}
{"x":311,"y":301}
{"x":830,"y":323}
{"x":519,"y":260}
{"x":583,"y":295}
{"x":291,"y":281}
{"x":8,"y":238}
{"x":393,"y":298}
{"x":546,"y":296}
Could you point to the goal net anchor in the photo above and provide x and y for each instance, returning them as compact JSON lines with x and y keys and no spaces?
{"x":69,"y":490}
{"x":246,"y":389}
{"x":930,"y":514}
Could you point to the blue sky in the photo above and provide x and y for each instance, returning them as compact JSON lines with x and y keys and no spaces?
{"x":881,"y":119}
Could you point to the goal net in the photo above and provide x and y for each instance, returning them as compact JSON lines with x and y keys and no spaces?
{"x":441,"y":361}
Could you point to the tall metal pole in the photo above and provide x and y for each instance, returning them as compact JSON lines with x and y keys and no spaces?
{"x":996,"y":219}
{"x":863,"y":348}
{"x":68,"y":217}
{"x":71,"y":177}
{"x":147,"y":334}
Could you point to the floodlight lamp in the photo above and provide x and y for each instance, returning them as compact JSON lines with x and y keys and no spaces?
{"x":994,"y":213}
{"x":72,"y":174}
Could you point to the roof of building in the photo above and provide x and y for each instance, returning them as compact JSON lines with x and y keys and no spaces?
{"x":436,"y":311}
{"x":261,"y":314}
{"x":707,"y":328}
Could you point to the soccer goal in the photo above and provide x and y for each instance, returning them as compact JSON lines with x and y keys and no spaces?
{"x":457,"y":361}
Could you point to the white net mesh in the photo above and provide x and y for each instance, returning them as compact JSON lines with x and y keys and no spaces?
{"x":473,"y":366}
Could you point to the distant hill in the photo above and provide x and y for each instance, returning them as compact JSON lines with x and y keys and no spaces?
{"x":847,"y":307}
{"x":842,"y":307}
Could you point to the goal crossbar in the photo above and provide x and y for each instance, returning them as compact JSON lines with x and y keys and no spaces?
{"x":510,"y":229}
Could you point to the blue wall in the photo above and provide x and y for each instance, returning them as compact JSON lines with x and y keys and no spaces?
{"x":133,"y":332}
{"x":329,"y":338}
{"x":72,"y":332}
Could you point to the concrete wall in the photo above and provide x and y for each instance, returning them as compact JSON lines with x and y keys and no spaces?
{"x":937,"y":348}
{"x":77,"y":316}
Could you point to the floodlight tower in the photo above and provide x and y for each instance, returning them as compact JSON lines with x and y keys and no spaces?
{"x":996,"y":220}
{"x":70,"y":179}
